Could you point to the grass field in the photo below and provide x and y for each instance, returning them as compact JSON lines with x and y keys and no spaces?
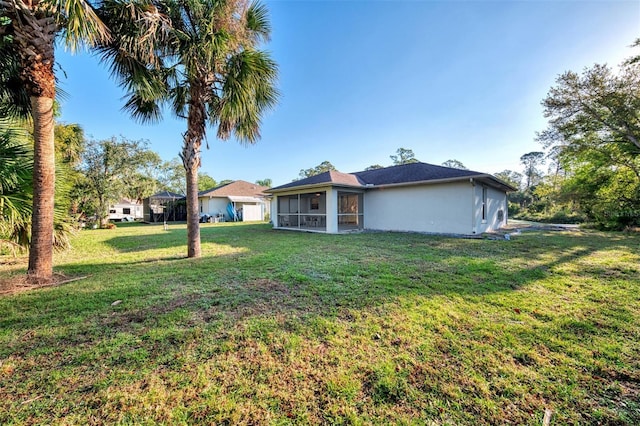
{"x":274,"y":327}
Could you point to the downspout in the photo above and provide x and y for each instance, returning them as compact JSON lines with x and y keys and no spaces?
{"x":473,"y":206}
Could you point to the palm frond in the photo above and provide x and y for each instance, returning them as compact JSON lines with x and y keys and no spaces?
{"x":248,"y":91}
{"x":81,"y":25}
{"x":143,"y":110}
{"x":14,"y":100}
{"x":258,"y":21}
{"x":16,"y":188}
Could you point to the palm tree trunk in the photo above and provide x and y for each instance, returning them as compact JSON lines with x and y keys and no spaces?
{"x":193,"y":215}
{"x":191,"y":160}
{"x":34,"y":35}
{"x":41,"y":252}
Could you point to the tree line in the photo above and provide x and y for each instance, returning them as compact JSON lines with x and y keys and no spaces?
{"x":591,"y":151}
{"x":402,"y":156}
{"x":91,"y":176}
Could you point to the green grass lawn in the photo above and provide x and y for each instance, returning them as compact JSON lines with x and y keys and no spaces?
{"x":274,"y":327}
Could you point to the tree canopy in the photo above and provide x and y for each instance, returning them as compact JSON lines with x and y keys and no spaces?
{"x":325,"y":166}
{"x":113,"y":169}
{"x":454,"y":164}
{"x":403,"y":156}
{"x":593,"y":138}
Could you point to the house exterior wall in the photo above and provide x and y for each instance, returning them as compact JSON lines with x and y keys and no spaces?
{"x":216,"y":205}
{"x":437,"y":208}
{"x":496,"y":201}
{"x":251,"y":212}
{"x":213,"y":206}
{"x":445,"y":208}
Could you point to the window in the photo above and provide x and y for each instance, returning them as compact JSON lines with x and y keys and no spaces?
{"x":350,"y":214}
{"x":315,"y":203}
{"x":126,"y":210}
{"x":484,"y":203}
{"x":112,"y":211}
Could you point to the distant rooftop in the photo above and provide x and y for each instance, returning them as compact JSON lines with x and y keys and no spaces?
{"x":167,"y":195}
{"x":237,"y":188}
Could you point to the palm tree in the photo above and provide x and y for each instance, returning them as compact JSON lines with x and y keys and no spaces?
{"x":16,"y":191}
{"x":201,"y":58}
{"x":32,"y":26}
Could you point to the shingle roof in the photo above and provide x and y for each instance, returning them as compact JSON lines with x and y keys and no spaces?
{"x":167,"y":195}
{"x":239,"y":188}
{"x":413,"y":172}
{"x":332,"y":177}
{"x":394,"y":175}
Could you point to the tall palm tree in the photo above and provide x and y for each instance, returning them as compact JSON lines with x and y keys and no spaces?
{"x":201,"y":58}
{"x":32,"y":26}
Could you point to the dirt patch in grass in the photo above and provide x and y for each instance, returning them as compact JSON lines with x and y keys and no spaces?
{"x":263,"y":296}
{"x":20,"y":283}
{"x":268,"y":286}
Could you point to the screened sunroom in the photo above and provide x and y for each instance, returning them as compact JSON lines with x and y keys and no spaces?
{"x":329,"y":210}
{"x":303,"y":211}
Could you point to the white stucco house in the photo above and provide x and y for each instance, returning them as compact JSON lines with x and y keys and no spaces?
{"x":415,"y":197}
{"x":238,"y":200}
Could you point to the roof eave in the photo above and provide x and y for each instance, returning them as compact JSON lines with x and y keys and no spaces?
{"x":314,"y":186}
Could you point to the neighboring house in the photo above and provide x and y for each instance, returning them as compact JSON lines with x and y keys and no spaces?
{"x":125,"y":209}
{"x":238,"y":200}
{"x":165,"y":206}
{"x":415,"y":197}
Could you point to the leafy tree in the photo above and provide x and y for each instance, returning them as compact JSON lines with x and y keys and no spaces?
{"x":403,"y":156}
{"x":634,"y":59}
{"x":374,"y":167}
{"x":599,"y":107}
{"x":512,"y":178}
{"x":531,"y":161}
{"x":455,"y":164}
{"x":264,"y":182}
{"x":111,"y":168}
{"x":29,"y":30}
{"x":325,"y":166}
{"x":69,"y":143}
{"x":509,"y":176}
{"x":145,"y":181}
{"x":201,"y":58}
{"x":172,"y":176}
{"x":205,"y":182}
{"x":594,"y":139}
{"x":225,"y":182}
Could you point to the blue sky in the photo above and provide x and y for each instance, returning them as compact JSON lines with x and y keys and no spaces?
{"x":448,"y":79}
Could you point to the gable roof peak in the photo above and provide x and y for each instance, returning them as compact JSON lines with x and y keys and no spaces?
{"x":236,"y":187}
